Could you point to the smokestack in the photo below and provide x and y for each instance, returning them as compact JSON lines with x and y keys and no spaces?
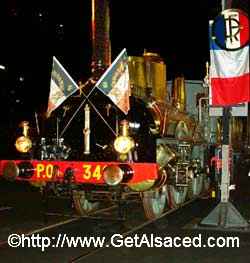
{"x":101,"y":47}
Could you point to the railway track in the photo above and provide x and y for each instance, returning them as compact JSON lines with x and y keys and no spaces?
{"x":130,"y":232}
{"x":60,"y":223}
{"x":85,"y":226}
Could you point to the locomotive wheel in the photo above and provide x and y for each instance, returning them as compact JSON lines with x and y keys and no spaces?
{"x":154,"y":202}
{"x":81,"y":203}
{"x":176,"y":195}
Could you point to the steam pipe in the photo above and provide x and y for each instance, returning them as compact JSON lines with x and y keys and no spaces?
{"x":200,"y":108}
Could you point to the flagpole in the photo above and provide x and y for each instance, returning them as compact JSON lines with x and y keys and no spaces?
{"x":37,"y":124}
{"x":225,"y":215}
{"x":95,"y":85}
{"x":93,"y":106}
{"x":226,"y":109}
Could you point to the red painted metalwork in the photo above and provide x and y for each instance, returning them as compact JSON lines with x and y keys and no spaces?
{"x":84,"y":172}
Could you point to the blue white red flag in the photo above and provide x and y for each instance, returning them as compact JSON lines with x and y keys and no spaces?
{"x":61,"y":86}
{"x":229,"y":57}
{"x":114,"y":83}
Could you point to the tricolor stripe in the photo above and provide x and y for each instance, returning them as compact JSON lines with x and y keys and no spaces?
{"x":230,"y":91}
{"x":244,"y":36}
{"x":228,"y":64}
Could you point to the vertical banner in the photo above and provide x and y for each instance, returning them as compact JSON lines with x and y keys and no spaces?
{"x":229,"y":55}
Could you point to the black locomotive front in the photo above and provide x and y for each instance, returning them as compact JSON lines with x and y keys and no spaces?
{"x":105,"y":127}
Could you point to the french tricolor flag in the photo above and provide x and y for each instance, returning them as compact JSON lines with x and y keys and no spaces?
{"x":229,"y":58}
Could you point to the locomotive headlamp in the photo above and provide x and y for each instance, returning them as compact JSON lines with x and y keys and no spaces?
{"x":112,"y":175}
{"x":115,"y":174}
{"x":124,"y":143}
{"x":23,"y":143}
{"x":11,"y":170}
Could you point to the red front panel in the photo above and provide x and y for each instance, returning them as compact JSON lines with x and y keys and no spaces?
{"x":84,"y":172}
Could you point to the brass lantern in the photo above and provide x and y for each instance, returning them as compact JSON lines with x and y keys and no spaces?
{"x":23,"y":143}
{"x":124,"y":143}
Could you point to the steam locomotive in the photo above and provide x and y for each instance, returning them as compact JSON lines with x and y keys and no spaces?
{"x":103,"y":154}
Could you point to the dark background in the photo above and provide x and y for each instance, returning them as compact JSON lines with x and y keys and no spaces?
{"x":33,"y":31}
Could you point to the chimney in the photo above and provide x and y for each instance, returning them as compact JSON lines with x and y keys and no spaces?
{"x":100,"y":23}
